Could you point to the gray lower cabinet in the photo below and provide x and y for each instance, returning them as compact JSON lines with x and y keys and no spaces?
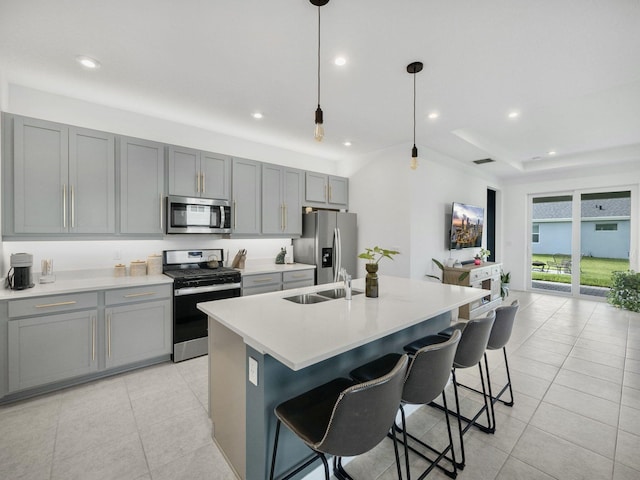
{"x":45,"y":347}
{"x":246,"y":193}
{"x":63,"y":179}
{"x":276,"y":281}
{"x":141,"y":186}
{"x":55,"y":339}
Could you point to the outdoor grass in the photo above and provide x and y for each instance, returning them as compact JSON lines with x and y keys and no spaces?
{"x":594,"y":271}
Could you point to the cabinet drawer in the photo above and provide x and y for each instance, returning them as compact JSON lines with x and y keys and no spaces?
{"x":52,"y":304}
{"x":298,"y":276}
{"x":480,"y":273}
{"x":261,"y":280}
{"x":261,"y":289}
{"x":138,"y":294}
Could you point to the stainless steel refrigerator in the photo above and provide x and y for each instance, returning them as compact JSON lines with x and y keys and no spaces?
{"x":328,"y":241}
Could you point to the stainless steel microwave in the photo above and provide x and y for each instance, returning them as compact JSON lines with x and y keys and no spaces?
{"x":198,"y":215}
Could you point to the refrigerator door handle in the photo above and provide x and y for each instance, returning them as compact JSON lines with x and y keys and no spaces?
{"x":338,"y":263}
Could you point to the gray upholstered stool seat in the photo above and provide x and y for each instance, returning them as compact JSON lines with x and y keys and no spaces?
{"x":343,"y":418}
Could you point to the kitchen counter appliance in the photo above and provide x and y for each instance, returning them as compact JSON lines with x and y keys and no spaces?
{"x":195,"y":280}
{"x":328,"y":241}
{"x":19,"y":276}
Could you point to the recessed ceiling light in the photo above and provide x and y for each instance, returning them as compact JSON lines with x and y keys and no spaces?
{"x":552,"y":152}
{"x":514,"y":114}
{"x":433,"y":115}
{"x":347,"y":143}
{"x":340,"y":61}
{"x":88,"y":62}
{"x":257,"y":115}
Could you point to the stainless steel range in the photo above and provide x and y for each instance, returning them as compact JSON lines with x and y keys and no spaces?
{"x":196,"y":279}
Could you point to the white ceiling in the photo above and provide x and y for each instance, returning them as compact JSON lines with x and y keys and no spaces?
{"x":570,"y":67}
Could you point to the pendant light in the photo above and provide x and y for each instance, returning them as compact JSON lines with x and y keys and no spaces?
{"x":414,"y":68}
{"x":318,"y":132}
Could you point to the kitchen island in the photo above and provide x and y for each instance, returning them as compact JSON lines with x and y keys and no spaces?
{"x":265,"y":349}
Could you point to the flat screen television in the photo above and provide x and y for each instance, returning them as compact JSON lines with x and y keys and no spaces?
{"x":467,"y":223}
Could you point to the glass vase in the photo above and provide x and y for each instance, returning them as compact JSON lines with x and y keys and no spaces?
{"x":371,"y":280}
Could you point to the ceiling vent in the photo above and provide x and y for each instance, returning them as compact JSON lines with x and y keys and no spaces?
{"x":483,"y":160}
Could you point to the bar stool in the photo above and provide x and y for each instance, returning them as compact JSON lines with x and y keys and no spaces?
{"x":427,"y":377}
{"x":500,"y":335}
{"x":343,"y":418}
{"x":473,"y":343}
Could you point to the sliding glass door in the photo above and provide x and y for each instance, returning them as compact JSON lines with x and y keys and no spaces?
{"x":578,"y":239}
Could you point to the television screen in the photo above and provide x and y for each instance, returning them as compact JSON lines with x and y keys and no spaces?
{"x":466,"y":226}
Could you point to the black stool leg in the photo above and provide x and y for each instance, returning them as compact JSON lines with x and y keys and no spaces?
{"x":492,"y":427}
{"x":506,"y":364}
{"x":460,"y":465}
{"x":275,"y":449}
{"x":453,"y":474}
{"x":404,"y":441}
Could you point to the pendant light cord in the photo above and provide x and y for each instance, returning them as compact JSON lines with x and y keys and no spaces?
{"x":318,"y":56}
{"x":414,"y":109}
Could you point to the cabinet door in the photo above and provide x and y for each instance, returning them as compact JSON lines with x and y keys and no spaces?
{"x":292,"y":200}
{"x":315,"y":187}
{"x":41,"y":152}
{"x":246,"y":196}
{"x":141,"y":186}
{"x":273,"y":209}
{"x":92,"y":206}
{"x":338,"y":191}
{"x":184,"y":172}
{"x":51,"y":348}
{"x":137,"y":332}
{"x":215,"y":171}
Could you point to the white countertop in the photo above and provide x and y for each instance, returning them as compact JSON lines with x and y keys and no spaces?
{"x":256,"y":269}
{"x":301,"y":335}
{"x":83,"y":281}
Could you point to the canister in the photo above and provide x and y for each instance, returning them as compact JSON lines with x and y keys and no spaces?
{"x":119,"y":270}
{"x":154,"y":264}
{"x":138,"y":268}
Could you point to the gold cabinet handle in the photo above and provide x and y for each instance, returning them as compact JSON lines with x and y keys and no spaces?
{"x":262,"y":280}
{"x":235,"y":215}
{"x":143,"y":294}
{"x":326,"y":191}
{"x":73,"y":208}
{"x":298,"y":275}
{"x":198,"y":182}
{"x":93,"y":339}
{"x":109,"y":335}
{"x":284,"y":217}
{"x":64,"y":205}
{"x":161,"y":220}
{"x":58,"y":304}
{"x":202,"y":180}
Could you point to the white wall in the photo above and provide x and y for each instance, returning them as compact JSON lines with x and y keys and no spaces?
{"x":399,"y":208}
{"x":73,"y":255}
{"x":516,"y":220}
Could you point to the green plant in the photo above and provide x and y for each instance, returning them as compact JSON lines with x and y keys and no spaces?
{"x":375,"y":254}
{"x":482,"y":253}
{"x":505,"y":281}
{"x":461,"y":277}
{"x":625,"y":290}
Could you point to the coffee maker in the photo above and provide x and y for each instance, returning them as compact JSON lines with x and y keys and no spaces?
{"x":19,"y":276}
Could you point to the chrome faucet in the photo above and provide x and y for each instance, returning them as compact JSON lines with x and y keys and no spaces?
{"x":347,"y":283}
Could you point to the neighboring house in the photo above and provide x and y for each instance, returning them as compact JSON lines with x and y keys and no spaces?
{"x":604,"y":232}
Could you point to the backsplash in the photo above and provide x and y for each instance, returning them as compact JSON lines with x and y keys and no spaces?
{"x":83,"y":255}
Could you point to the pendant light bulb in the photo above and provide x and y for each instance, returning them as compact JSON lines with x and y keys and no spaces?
{"x":414,"y":157}
{"x":318,"y":132}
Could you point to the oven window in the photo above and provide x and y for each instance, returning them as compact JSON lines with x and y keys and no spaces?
{"x":189,"y":322}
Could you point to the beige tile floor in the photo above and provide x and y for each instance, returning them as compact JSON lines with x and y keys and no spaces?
{"x":576,"y":373}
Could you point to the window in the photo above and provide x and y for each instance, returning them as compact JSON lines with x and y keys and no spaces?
{"x":610,"y":227}
{"x":535,"y":233}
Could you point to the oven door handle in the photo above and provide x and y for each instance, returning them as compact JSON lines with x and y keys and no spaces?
{"x":209,"y":288}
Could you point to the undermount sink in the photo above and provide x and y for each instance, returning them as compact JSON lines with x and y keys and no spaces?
{"x":338,"y":292}
{"x":307,"y":298}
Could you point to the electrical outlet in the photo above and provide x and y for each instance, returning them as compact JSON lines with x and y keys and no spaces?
{"x":117,"y":255}
{"x":253,"y":371}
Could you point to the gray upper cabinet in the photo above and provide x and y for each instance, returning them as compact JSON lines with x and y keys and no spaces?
{"x":246,"y":192}
{"x":141,"y":186}
{"x":64,"y":179}
{"x":281,"y":200}
{"x":193,"y":173}
{"x":322,"y":190}
{"x":92,"y":181}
